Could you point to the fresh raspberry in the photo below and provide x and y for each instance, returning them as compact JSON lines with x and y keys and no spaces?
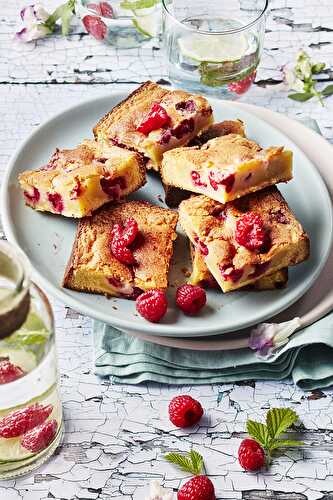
{"x":122,"y":237}
{"x":250,"y":231}
{"x":106,"y":10}
{"x":95,"y":26}
{"x":197,"y":488}
{"x":9,"y":372}
{"x":251,"y":455}
{"x":242,"y":86}
{"x":33,"y":197}
{"x":40,"y":437}
{"x":120,"y":251}
{"x":184,"y":411}
{"x":56,"y":201}
{"x":216,"y":179}
{"x":152,"y":305}
{"x":20,"y":421}
{"x":156,"y":118}
{"x":190,"y":299}
{"x":130,"y":231}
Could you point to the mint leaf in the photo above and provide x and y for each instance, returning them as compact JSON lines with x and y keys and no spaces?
{"x":300,"y":96}
{"x":66,"y":18}
{"x":138,"y":4}
{"x":191,"y":462}
{"x":285,"y":442}
{"x":278,"y":420}
{"x":327,"y":90}
{"x":258,"y":432}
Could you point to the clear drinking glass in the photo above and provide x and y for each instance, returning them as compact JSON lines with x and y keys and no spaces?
{"x":214,"y":46}
{"x":30,"y":408}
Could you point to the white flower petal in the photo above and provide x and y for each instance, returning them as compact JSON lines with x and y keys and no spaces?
{"x":159,"y":493}
{"x":267,"y":338}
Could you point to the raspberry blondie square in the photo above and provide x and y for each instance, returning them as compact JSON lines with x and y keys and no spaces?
{"x":226,"y":168}
{"x":174,"y":195}
{"x":75,"y":182}
{"x":246,"y":239}
{"x":153,"y":120}
{"x":202,"y":276}
{"x":122,"y":250}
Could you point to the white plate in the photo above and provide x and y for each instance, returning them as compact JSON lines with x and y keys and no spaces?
{"x":47,"y":239}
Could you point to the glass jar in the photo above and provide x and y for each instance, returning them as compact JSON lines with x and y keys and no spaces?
{"x":214,"y":47}
{"x":30,"y":408}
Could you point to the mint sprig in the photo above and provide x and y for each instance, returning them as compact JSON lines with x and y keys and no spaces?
{"x":278,"y":421}
{"x":191,"y":462}
{"x":65,"y":13}
{"x":138,"y":4}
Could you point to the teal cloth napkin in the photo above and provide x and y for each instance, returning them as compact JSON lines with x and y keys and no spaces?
{"x":307,"y":358}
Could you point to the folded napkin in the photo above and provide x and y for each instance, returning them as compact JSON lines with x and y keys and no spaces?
{"x":307,"y":358}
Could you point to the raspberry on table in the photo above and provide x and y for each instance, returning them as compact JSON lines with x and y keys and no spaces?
{"x":156,"y":118}
{"x":9,"y":372}
{"x":21,"y":421}
{"x":40,"y":437}
{"x":197,"y":488}
{"x":190,"y":299}
{"x":251,"y":455}
{"x":184,"y":411}
{"x":242,"y":86}
{"x":250,"y":231}
{"x":152,"y":305}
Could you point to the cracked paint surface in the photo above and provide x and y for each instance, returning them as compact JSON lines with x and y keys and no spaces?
{"x":115,"y":436}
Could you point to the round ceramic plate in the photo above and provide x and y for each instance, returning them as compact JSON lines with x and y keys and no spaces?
{"x":47,"y":239}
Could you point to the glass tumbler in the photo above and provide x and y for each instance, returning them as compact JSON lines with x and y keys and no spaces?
{"x":30,"y":408}
{"x":214,"y":47}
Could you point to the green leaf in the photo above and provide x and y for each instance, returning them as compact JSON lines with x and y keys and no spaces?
{"x":317,"y":68}
{"x":259,"y":432}
{"x":197,"y":461}
{"x":327,"y":90}
{"x":300,"y":96}
{"x":278,"y":420}
{"x":285,"y":442}
{"x":138,"y":4}
{"x":191,"y":462}
{"x":66,"y":18}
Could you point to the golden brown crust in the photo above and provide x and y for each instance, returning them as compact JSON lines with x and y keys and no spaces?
{"x":91,"y":250}
{"x":214,"y":224}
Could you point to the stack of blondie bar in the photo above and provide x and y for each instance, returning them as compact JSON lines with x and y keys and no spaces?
{"x":240,"y":228}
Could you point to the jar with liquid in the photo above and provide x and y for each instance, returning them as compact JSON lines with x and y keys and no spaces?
{"x":30,"y":408}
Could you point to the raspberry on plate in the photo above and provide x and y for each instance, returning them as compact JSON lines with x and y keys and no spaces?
{"x":190,"y":299}
{"x":40,"y":437}
{"x":152,"y":305}
{"x":184,"y":411}
{"x":251,"y":455}
{"x":21,"y":421}
{"x":9,"y":372}
{"x":197,"y":488}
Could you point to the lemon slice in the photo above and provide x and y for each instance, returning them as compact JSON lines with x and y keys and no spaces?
{"x":213,"y":48}
{"x":147,"y":25}
{"x":26,"y":360}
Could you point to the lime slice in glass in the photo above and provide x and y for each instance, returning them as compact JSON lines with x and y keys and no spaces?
{"x":213,"y":48}
{"x":147,"y":25}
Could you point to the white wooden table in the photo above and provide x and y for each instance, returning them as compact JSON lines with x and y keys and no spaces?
{"x":116,"y":435}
